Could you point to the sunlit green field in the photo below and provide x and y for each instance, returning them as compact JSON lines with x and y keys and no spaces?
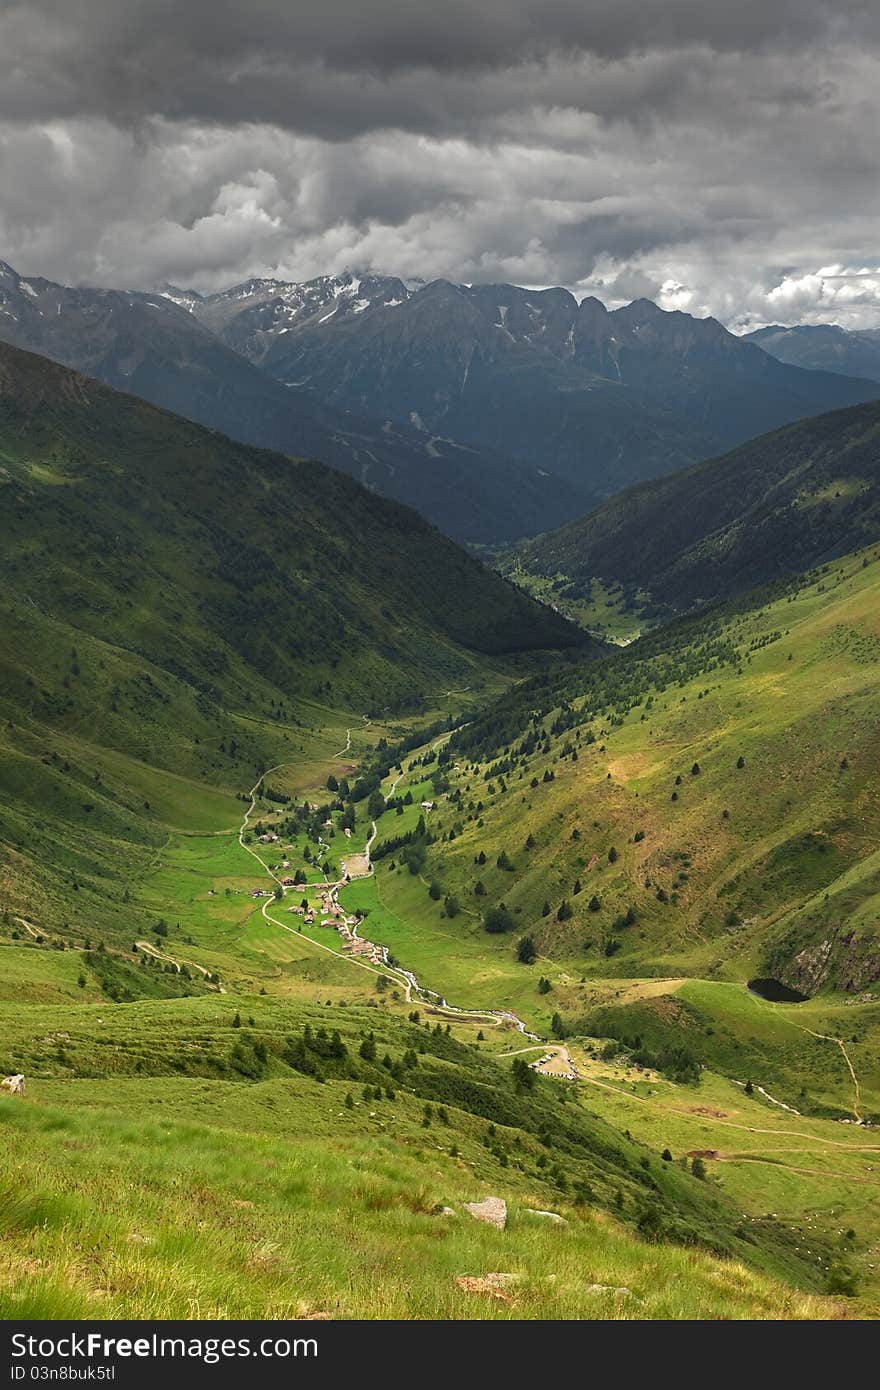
{"x":235,"y":1210}
{"x":606,"y":610}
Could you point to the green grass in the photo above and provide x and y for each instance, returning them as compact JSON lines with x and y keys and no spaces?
{"x":452,"y":956}
{"x":167,"y":1163}
{"x":744,"y":890}
{"x":285,"y":1226}
{"x":787,"y":1048}
{"x":148,"y":1157}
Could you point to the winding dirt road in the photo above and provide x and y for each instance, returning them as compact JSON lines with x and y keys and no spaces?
{"x":406,"y":979}
{"x":409,"y":983}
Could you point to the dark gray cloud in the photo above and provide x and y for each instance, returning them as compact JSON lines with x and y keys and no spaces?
{"x":723,"y":158}
{"x":340,"y":67}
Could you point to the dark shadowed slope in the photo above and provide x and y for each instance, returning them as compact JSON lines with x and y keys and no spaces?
{"x":774,"y":507}
{"x":221,"y":563}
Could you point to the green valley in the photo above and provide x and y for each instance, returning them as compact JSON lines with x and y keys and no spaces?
{"x":345,"y":887}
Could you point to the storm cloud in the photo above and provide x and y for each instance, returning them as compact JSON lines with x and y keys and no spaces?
{"x":720,"y":159}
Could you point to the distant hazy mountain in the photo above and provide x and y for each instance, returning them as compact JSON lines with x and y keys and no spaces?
{"x":602,"y":399}
{"x":823,"y":347}
{"x":776,"y":506}
{"x":158,"y":349}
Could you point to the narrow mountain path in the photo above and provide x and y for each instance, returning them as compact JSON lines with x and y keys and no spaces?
{"x":347,"y":749}
{"x":794,"y":1168}
{"x":857,"y":1090}
{"x":149,"y":949}
{"x":247,"y":815}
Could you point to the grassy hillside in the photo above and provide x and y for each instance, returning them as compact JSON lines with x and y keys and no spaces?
{"x":168,"y":1162}
{"x":288,"y":562}
{"x":774,"y":507}
{"x":212,"y":1155}
{"x":188,"y":1145}
{"x":704,"y":803}
{"x":210,"y":692}
{"x":615,"y":853}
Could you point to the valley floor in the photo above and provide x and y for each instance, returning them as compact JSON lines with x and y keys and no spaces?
{"x":135,"y":1194}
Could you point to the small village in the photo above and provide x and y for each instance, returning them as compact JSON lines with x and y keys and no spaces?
{"x":555,"y":1063}
{"x":328,"y":914}
{"x":332,"y":917}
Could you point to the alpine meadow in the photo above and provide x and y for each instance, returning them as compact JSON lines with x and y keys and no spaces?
{"x":440,"y":669}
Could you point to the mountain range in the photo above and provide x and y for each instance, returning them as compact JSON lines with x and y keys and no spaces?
{"x":601,"y":399}
{"x":153,"y":348}
{"x":497,"y":411}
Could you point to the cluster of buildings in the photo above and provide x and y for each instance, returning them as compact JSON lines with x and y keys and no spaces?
{"x":305,"y":913}
{"x":328,"y":914}
{"x":367,"y":950}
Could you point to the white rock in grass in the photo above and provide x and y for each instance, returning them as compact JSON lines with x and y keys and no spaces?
{"x":493,"y":1211}
{"x":548,"y":1215}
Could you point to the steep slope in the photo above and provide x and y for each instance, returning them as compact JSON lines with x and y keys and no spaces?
{"x":603,"y":399}
{"x":165,"y":538}
{"x":250,"y":1162}
{"x":702,"y":804}
{"x":156,"y":348}
{"x":774,"y":507}
{"x":823,"y":347}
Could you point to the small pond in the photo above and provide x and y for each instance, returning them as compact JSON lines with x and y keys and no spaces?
{"x":776,"y":991}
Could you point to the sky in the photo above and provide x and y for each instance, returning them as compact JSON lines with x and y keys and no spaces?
{"x":717,"y":157}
